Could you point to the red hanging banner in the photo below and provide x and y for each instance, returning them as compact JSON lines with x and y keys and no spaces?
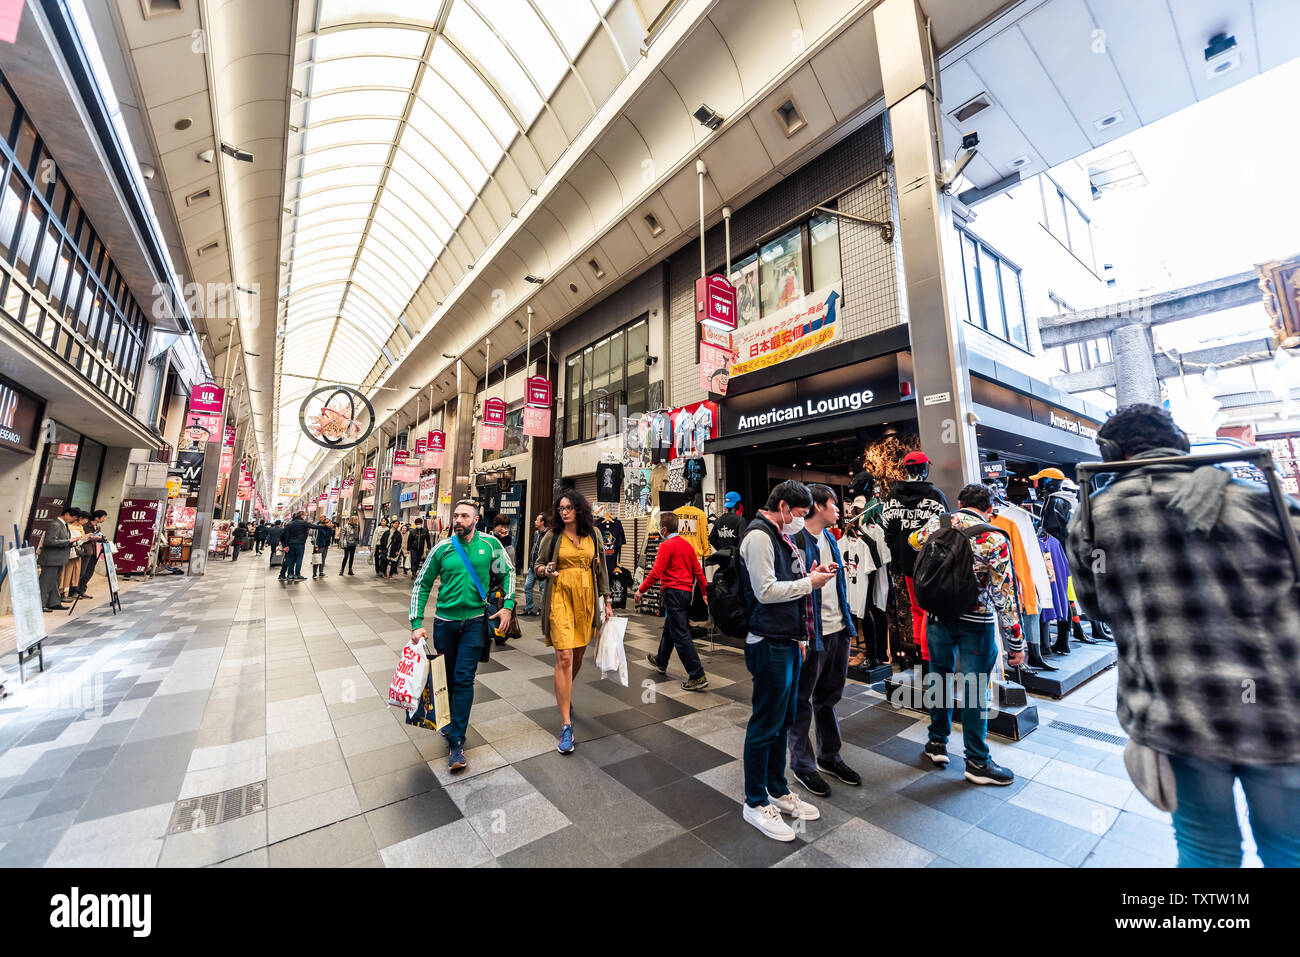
{"x":538,"y":392}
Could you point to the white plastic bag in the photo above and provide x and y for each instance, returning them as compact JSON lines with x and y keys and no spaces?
{"x":611,"y":659}
{"x":409,"y":678}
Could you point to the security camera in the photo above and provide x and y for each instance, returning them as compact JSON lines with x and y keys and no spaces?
{"x":208,"y":155}
{"x":244,"y":156}
{"x":147,"y":171}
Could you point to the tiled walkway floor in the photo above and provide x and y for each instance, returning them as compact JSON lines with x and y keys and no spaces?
{"x":204,"y":686}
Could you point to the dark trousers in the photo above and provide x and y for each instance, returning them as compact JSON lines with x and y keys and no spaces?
{"x":87,"y":572}
{"x":462,"y":642}
{"x":677,"y":633}
{"x":394,"y":563}
{"x":292,"y":567}
{"x":381,"y":562}
{"x":349,"y":556}
{"x":49,"y":581}
{"x":774,"y":665}
{"x":979,"y":653}
{"x":234,"y":552}
{"x":821,"y":685}
{"x":322,"y":551}
{"x":417,"y":559}
{"x":259,"y":545}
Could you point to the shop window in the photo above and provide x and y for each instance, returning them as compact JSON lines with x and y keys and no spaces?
{"x":744,"y":276}
{"x":824,"y":239}
{"x":992,"y":290}
{"x":1014,"y":307}
{"x":45,"y":261}
{"x":25,"y":147}
{"x":990,"y":294}
{"x":30,"y":232}
{"x":11,"y":207}
{"x":780,"y":272}
{"x":603,"y":379}
{"x":8,"y":110}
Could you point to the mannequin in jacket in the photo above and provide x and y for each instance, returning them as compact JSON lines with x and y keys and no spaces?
{"x":1060,"y":499}
{"x":910,"y":506}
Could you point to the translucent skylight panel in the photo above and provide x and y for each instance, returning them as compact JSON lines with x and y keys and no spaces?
{"x":414,"y":217}
{"x":338,"y":196}
{"x":353,"y":213}
{"x":410,"y":172}
{"x":334,"y":12}
{"x":382,"y":287}
{"x":363,"y":71}
{"x":435,"y":91}
{"x":574,"y":21}
{"x":374,"y":40}
{"x":360,"y":155}
{"x":350,"y":131}
{"x":463,"y":78}
{"x":478,"y":40}
{"x":435,"y":129}
{"x":350,"y":176}
{"x":402,"y":284}
{"x":526,"y":35}
{"x":421,"y":201}
{"x":436,"y":164}
{"x":404,"y":233}
{"x":321,"y":109}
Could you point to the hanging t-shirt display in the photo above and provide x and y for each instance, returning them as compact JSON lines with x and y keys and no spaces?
{"x":620,"y":583}
{"x":684,"y":433}
{"x":609,"y":482}
{"x":651,"y":601}
{"x":703,"y":426}
{"x":694,"y":472}
{"x":658,"y":483}
{"x":693,"y":525}
{"x":676,"y":476}
{"x":611,"y":535}
{"x":636,"y":490}
{"x":661,"y":437}
{"x":858,"y":566}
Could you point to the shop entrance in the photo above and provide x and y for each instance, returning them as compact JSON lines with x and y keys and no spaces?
{"x":831,"y":459}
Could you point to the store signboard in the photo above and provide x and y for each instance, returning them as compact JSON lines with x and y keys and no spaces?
{"x":428,"y":490}
{"x":421,"y":446}
{"x":25,"y":596}
{"x":437,"y":441}
{"x":537,"y":421}
{"x":290,"y":486}
{"x":494,"y":411}
{"x":368,"y":480}
{"x":492,"y":438}
{"x":204,"y":426}
{"x":334,"y":493}
{"x":715,"y":302}
{"x":400,"y":457}
{"x":207,"y":397}
{"x":229,"y":440}
{"x":807,"y":324}
{"x":843,"y":391}
{"x":537,"y":391}
{"x":715,"y":366}
{"x":20,"y":417}
{"x":406,"y":473}
{"x":993,"y":471}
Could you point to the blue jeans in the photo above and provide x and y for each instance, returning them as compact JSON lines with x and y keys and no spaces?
{"x":979,"y":653}
{"x":462,"y":642}
{"x":530,"y":582}
{"x":1205,"y":822}
{"x":293,"y":561}
{"x":774,"y":665}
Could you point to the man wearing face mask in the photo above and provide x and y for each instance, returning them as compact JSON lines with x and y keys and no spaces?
{"x":778,"y":590}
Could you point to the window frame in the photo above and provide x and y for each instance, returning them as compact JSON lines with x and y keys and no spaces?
{"x":967,"y":241}
{"x":584,"y":376}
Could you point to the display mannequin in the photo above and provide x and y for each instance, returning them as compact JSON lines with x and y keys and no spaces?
{"x":1030,"y":571}
{"x":910,"y":506}
{"x":866,"y":564}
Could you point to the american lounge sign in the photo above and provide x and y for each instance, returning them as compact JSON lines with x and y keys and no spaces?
{"x":809,"y":408}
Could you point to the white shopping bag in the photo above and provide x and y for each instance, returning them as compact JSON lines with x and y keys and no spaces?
{"x":410,"y":677}
{"x":611,"y":659}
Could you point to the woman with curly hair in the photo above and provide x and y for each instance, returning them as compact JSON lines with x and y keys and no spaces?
{"x":571,"y":566}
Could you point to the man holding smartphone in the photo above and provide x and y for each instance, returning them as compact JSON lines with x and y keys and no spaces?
{"x":826,"y":667}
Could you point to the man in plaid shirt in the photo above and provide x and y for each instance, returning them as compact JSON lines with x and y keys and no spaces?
{"x":1190,"y":568}
{"x":973,"y":636}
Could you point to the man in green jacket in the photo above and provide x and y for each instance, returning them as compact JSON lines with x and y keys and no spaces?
{"x":459,"y":620}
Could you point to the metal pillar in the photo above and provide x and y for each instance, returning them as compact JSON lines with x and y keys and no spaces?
{"x":461,"y":436}
{"x":1132,"y":349}
{"x":942,"y":377}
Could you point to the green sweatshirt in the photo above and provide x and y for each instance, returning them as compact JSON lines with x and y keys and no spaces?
{"x":458,"y":599}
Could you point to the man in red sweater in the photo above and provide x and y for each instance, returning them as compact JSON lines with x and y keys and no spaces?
{"x":678,"y":569}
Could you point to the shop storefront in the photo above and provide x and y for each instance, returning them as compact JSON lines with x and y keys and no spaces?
{"x":68,"y":478}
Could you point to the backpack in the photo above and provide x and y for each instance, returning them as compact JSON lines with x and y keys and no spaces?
{"x":727,"y":603}
{"x":944,"y":574}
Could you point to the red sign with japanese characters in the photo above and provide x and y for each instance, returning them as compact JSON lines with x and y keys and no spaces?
{"x":538,"y":390}
{"x":494,"y":411}
{"x":715,"y":302}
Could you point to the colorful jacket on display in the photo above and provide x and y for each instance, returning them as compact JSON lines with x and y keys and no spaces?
{"x":910,"y":506}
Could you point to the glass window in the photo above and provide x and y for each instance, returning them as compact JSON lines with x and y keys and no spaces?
{"x":11,"y":206}
{"x":1080,"y":235}
{"x":26,"y":145}
{"x":1015,"y":310}
{"x":45,"y":261}
{"x":7,"y":110}
{"x":824,"y":237}
{"x":970,"y":264}
{"x":31,"y":229}
{"x":61,"y":268}
{"x":1054,"y":210}
{"x":744,"y":276}
{"x":993,"y":321}
{"x":780,"y":272}
{"x":604,"y":378}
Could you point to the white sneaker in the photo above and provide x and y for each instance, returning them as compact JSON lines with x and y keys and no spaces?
{"x":768,"y":820}
{"x":791,"y":805}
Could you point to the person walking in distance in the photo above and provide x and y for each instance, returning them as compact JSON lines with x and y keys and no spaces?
{"x":72,"y":570}
{"x":379,"y":549}
{"x":349,"y":535}
{"x":466,"y":565}
{"x":575,"y":582}
{"x":295,"y":543}
{"x":677,"y":566}
{"x":396,"y":549}
{"x":778,"y":590}
{"x":274,"y":535}
{"x":973,"y":636}
{"x":56,"y":544}
{"x":826,"y":667}
{"x":324,"y":535}
{"x":417,"y":540}
{"x":259,"y":535}
{"x":1190,"y":568}
{"x":238,"y":541}
{"x":530,"y":580}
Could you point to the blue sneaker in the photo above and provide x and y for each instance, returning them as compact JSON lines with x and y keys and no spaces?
{"x":566,"y":740}
{"x":456,"y":759}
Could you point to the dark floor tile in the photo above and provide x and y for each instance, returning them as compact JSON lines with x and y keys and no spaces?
{"x":626,"y":720}
{"x":483,"y":693}
{"x":686,"y":850}
{"x":956,"y":796}
{"x":644,"y":773}
{"x":489,"y":667}
{"x":142,"y":689}
{"x":658,"y":737}
{"x":567,"y":847}
{"x":416,"y":815}
{"x":58,"y":803}
{"x":690,"y":802}
{"x":741,"y":843}
{"x":664,"y":708}
{"x":93,"y":758}
{"x":48,"y":730}
{"x":693,"y":757}
{"x":873,"y":726}
{"x":1069,"y":845}
{"x":29,"y":787}
{"x":906,"y":752}
{"x":396,"y":786}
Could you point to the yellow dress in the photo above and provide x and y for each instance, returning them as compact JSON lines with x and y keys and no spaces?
{"x":573,"y":596}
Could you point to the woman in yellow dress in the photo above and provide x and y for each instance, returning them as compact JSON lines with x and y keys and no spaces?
{"x":571,"y":567}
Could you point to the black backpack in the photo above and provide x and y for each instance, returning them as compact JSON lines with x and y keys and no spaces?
{"x":727,"y":604}
{"x":944,"y":574}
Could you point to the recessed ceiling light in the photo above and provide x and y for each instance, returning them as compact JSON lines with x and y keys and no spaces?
{"x":1020,"y":162}
{"x":1109,"y":120}
{"x":184,"y":123}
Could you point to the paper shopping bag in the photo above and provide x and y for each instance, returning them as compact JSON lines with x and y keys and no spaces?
{"x":433,"y":711}
{"x":411,"y":676}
